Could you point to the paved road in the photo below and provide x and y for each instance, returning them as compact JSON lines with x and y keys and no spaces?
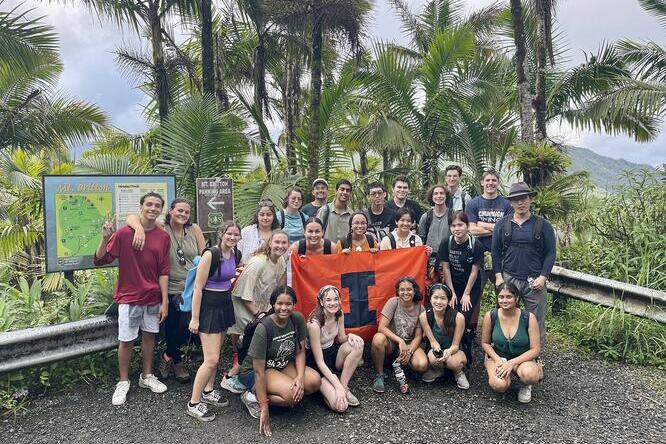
{"x":580,"y":401}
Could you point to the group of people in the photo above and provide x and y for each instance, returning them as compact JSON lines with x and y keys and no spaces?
{"x":279,"y":355}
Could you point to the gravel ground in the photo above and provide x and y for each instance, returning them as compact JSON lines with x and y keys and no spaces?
{"x":580,"y":400}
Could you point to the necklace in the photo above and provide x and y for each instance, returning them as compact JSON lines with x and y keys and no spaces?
{"x":179,"y":249}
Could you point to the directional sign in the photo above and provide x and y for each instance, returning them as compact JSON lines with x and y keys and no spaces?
{"x":215,"y":202}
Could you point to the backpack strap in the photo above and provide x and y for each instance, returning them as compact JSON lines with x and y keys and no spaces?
{"x":303,"y":218}
{"x":371,"y":240}
{"x":428,"y":222}
{"x":215,"y":260}
{"x":430,"y":316}
{"x":327,"y":246}
{"x":238,"y":256}
{"x":344,"y":243}
{"x":412,"y":240}
{"x":268,"y":326}
{"x":392,"y":241}
{"x":506,"y":234}
{"x":327,"y":213}
{"x":463,"y":195}
{"x":297,"y":330}
{"x":493,"y":320}
{"x":280,"y":216}
{"x":538,"y":233}
{"x":301,"y":247}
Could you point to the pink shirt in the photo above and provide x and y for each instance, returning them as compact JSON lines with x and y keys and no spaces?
{"x":138,"y":271}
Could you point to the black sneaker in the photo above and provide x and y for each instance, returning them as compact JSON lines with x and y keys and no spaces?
{"x":200,"y":412}
{"x":214,"y":398}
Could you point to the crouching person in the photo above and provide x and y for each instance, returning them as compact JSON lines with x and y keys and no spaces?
{"x":141,"y":292}
{"x":331,"y":349}
{"x":273,"y":366}
{"x":511,"y":342}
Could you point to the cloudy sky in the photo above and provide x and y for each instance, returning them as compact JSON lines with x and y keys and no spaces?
{"x":90,"y":73}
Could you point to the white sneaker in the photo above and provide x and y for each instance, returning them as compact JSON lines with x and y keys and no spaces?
{"x":214,"y":398}
{"x":525,"y":394}
{"x":233,"y":384}
{"x":461,"y":381}
{"x":200,"y":411}
{"x":431,"y":374}
{"x":151,"y":382}
{"x":120,"y":393}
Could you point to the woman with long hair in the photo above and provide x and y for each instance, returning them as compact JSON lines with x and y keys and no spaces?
{"x":443,"y":327}
{"x":187,"y":242}
{"x":274,"y":369}
{"x":399,"y":334}
{"x":358,"y":238}
{"x":259,"y":231}
{"x":331,"y":349}
{"x":265,"y":271}
{"x":511,"y":342}
{"x":212,"y":314}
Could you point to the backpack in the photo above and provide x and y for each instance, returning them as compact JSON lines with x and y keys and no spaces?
{"x":302,"y":246}
{"x":281,"y":218}
{"x":493,"y":318}
{"x":394,"y":244}
{"x":346,"y":242}
{"x":507,"y":233}
{"x":185,"y":302}
{"x":264,"y":319}
{"x":324,"y":218}
{"x":429,"y":218}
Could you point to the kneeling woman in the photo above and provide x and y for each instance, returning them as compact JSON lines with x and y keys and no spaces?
{"x":331,"y":349}
{"x":511,"y":343}
{"x":274,"y":369}
{"x":443,"y":327}
{"x":399,"y":332}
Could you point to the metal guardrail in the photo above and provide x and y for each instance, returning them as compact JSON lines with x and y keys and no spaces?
{"x":639,"y":301}
{"x":42,"y":345}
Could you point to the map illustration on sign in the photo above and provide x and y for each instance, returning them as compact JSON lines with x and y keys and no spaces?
{"x":78,"y":218}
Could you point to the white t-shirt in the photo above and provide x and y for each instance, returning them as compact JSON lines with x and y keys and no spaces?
{"x":399,"y":243}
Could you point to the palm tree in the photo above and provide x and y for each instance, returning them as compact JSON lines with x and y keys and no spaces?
{"x":522,"y":73}
{"x":207,"y":47}
{"x":153,"y":15}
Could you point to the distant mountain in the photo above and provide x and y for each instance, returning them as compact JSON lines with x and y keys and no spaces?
{"x":605,"y":172}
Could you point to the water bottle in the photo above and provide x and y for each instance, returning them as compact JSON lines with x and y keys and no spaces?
{"x":399,"y":373}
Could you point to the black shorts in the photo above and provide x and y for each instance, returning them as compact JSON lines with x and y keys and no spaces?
{"x":217,"y":312}
{"x":330,"y":356}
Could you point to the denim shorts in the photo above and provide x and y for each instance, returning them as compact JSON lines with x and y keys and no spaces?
{"x":131,"y":318}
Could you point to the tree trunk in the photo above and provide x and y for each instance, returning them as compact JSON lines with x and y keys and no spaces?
{"x":315,"y":94}
{"x":162,"y":94}
{"x":291,"y":106}
{"x":207,"y":62}
{"x":522,"y":69}
{"x":363,"y":156}
{"x":541,"y":55}
{"x":220,"y":91}
{"x":260,"y":95}
{"x":386,"y":160}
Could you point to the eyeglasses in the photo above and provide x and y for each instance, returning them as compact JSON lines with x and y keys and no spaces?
{"x":181,"y":257}
{"x":359,"y":224}
{"x":265,"y":203}
{"x":375,"y":193}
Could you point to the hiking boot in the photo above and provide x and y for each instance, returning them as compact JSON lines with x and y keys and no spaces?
{"x":120,"y":393}
{"x":166,"y":367}
{"x":151,"y":382}
{"x":352,"y":400}
{"x":252,"y":406}
{"x":378,"y":385}
{"x":461,"y":381}
{"x":180,"y":372}
{"x":525,"y":394}
{"x":233,"y":384}
{"x":431,"y":374}
{"x":214,"y":398}
{"x":200,"y":412}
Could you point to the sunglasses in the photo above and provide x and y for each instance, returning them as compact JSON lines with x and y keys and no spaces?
{"x":181,"y":257}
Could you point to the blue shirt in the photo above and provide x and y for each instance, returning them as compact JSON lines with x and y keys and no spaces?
{"x":293,"y":225}
{"x":490,"y":211}
{"x":522,"y":258}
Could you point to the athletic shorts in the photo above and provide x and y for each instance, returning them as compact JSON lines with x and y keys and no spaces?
{"x":131,"y":318}
{"x":330,"y":356}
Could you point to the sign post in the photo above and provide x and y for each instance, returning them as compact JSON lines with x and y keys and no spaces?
{"x":215,"y":202}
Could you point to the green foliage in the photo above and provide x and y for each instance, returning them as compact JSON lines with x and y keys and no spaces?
{"x":612,"y":334}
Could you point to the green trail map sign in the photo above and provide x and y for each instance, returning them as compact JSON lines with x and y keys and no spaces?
{"x":75,"y":208}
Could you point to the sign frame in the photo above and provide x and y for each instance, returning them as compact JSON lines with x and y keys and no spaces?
{"x":50,"y":267}
{"x":204,"y":203}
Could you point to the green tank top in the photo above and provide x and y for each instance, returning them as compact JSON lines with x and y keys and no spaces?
{"x":516,"y":346}
{"x":444,"y":341}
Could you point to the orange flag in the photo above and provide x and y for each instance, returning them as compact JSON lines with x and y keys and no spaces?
{"x":365,"y":280}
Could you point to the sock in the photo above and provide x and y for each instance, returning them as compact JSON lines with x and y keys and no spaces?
{"x":251,"y":397}
{"x":207,"y":391}
{"x":192,"y":405}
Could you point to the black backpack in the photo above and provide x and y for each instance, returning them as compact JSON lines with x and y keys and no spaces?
{"x":507,"y":233}
{"x":281,"y":218}
{"x":346,"y":242}
{"x":394,"y":244}
{"x":264,"y":319}
{"x":302,"y":246}
{"x":215,"y":261}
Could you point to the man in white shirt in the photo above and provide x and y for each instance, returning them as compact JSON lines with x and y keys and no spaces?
{"x":459,"y":198}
